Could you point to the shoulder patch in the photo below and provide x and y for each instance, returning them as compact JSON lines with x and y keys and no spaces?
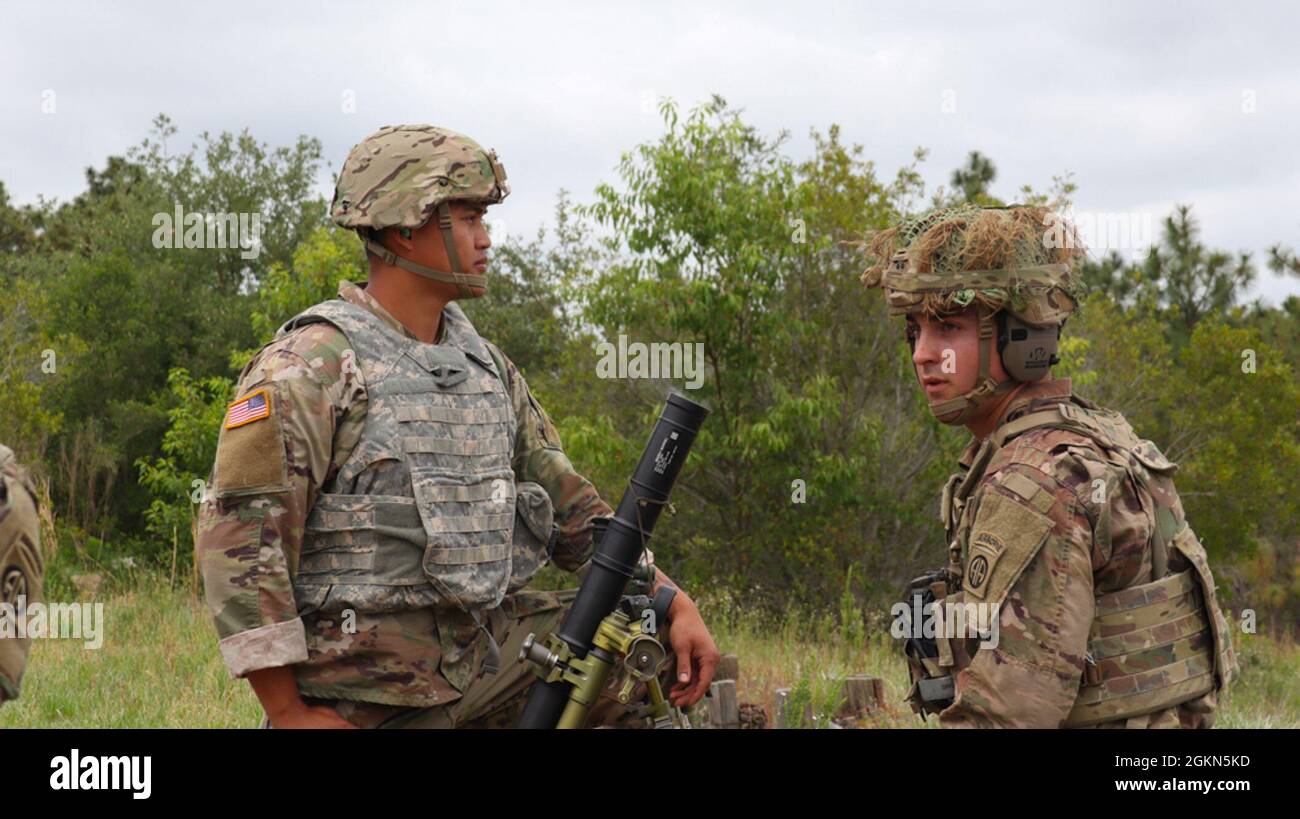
{"x":250,"y":452}
{"x":1005,"y":536}
{"x":253,"y":407}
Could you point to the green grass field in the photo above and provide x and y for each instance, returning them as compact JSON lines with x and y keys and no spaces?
{"x":159,"y":667}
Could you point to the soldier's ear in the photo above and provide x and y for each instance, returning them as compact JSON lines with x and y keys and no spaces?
{"x":399,"y":240}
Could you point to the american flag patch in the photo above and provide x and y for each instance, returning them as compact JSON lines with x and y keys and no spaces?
{"x":247,"y":410}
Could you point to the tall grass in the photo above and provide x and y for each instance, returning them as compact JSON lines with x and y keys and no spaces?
{"x":159,"y":666}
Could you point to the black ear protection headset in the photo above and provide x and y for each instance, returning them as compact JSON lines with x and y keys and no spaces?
{"x":1027,"y":350}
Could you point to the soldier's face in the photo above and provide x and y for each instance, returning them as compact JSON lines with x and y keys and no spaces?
{"x":945,"y":353}
{"x":469,"y":233}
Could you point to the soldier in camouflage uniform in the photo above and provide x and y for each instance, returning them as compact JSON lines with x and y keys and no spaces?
{"x":1060,"y":519}
{"x":385,"y":484}
{"x":21,"y":567}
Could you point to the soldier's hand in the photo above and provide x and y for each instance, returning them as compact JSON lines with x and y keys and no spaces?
{"x":697,"y":656}
{"x":277,"y":690}
{"x":310,"y":716}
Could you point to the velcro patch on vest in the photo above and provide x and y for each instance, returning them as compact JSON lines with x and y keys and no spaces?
{"x":1032,"y":493}
{"x":250,"y":452}
{"x":1004,"y":538}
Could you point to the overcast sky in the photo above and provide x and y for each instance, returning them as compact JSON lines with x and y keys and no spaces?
{"x":1147,"y":104}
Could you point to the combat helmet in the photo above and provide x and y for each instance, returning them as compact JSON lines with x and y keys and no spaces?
{"x":400,"y":175}
{"x":1015,"y":263}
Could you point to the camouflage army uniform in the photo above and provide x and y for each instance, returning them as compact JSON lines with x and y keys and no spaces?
{"x":21,"y":565}
{"x":1051,"y":527}
{"x":264,"y":486}
{"x":1062,"y":523}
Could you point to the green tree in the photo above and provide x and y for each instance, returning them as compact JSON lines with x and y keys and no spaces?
{"x":1180,"y":276}
{"x":139,"y":310}
{"x":196,"y":407}
{"x":973,"y":178}
{"x":16,"y":229}
{"x":818,"y":455}
{"x":29,"y":362}
{"x":177,"y":479}
{"x":326,"y":257}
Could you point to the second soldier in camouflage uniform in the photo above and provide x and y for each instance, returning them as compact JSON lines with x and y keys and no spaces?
{"x":22,"y":568}
{"x":1060,"y":519}
{"x":385,"y":483}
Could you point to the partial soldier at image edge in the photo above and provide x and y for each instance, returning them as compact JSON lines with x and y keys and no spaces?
{"x":22,"y":567}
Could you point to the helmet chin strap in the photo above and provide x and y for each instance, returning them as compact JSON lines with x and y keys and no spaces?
{"x":458,"y":276}
{"x":961,"y":409}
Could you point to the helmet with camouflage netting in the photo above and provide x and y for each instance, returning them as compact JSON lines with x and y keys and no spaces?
{"x":1015,"y":264}
{"x":401,"y":175}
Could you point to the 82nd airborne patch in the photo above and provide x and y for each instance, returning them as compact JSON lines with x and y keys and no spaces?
{"x":1006,"y":536}
{"x":986,"y":548}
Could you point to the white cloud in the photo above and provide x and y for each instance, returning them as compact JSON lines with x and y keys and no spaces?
{"x":1143,"y":103}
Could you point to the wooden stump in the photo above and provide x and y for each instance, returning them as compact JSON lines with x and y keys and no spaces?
{"x":861,"y":695}
{"x":728,"y":668}
{"x":782,"y":712}
{"x":781,"y":698}
{"x":724,"y":707}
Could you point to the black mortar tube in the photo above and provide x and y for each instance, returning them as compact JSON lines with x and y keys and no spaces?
{"x":621,"y":546}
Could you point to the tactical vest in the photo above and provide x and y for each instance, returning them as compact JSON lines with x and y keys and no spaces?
{"x":423,"y":512}
{"x":1151,"y":646}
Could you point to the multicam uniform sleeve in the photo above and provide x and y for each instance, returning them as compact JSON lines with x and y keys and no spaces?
{"x":1029,"y":561}
{"x":272,"y":458}
{"x":539,"y":457}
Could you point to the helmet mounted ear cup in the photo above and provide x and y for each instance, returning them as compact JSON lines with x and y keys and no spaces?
{"x":1028,"y":351}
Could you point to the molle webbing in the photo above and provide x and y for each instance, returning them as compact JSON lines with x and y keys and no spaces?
{"x":1156,"y":645}
{"x":422,"y":511}
{"x":1151,"y":647}
{"x":344,"y":532}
